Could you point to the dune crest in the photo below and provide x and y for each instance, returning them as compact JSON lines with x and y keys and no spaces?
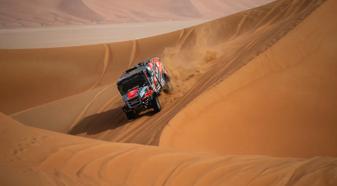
{"x":33,"y":156}
{"x":282,"y":103}
{"x":40,"y":13}
{"x":89,"y":105}
{"x":254,"y":99}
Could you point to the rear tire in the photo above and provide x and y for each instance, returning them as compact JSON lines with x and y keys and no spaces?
{"x":167,"y":88}
{"x":156,"y":105}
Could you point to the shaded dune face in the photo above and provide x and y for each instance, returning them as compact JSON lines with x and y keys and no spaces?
{"x":86,"y":103}
{"x":38,"y":157}
{"x":282,"y":103}
{"x":37,"y":13}
{"x":79,"y":9}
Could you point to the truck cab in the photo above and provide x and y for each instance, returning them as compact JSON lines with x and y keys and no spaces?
{"x":141,"y":85}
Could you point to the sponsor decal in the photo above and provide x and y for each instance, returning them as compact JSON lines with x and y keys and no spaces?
{"x":133,"y":93}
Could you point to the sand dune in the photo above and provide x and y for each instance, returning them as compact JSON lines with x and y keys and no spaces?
{"x":39,"y":13}
{"x":213,"y":51}
{"x":251,"y":90}
{"x":282,"y":103}
{"x":38,"y":157}
{"x":68,"y":36}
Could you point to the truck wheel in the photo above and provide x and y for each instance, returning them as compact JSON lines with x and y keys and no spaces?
{"x":131,"y":115}
{"x":156,"y":104}
{"x":167,"y":78}
{"x":167,"y":88}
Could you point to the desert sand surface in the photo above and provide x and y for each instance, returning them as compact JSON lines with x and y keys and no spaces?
{"x":40,"y":157}
{"x":253,"y":102}
{"x":283,"y":103}
{"x":40,"y":13}
{"x":60,"y":23}
{"x":76,"y":85}
{"x":50,"y":37}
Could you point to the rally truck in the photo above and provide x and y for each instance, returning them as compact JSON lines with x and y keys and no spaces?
{"x":141,"y":85}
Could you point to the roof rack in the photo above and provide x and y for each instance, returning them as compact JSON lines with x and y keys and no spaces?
{"x":142,"y":63}
{"x":131,"y":69}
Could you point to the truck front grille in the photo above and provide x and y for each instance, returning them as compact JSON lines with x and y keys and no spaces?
{"x":133,"y":102}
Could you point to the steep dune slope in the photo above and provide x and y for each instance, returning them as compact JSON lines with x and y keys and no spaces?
{"x":81,"y":35}
{"x":32,"y":156}
{"x":260,"y":82}
{"x":87,"y":104}
{"x":36,"y":76}
{"x":39,"y":13}
{"x":283,"y":103}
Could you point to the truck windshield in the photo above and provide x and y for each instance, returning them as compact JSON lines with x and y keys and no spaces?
{"x":136,"y":80}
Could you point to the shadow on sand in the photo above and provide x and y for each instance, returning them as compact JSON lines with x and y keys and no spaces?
{"x":100,"y":122}
{"x":103,"y":121}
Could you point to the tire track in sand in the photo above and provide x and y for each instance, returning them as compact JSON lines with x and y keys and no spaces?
{"x":106,"y":60}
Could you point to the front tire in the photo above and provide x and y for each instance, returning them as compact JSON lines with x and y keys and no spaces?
{"x":130,"y":115}
{"x":156,"y":105}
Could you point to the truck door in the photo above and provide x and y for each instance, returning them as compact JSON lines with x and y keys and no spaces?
{"x":152,"y":78}
{"x":157,"y":77}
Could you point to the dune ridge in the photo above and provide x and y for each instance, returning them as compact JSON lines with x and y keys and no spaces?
{"x":64,"y":36}
{"x":38,"y":13}
{"x":39,"y":157}
{"x":213,"y":52}
{"x":282,"y":103}
{"x":227,"y":74}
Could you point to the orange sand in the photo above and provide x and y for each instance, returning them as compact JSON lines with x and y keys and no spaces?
{"x":283,"y":103}
{"x":254,"y":95}
{"x":40,"y":13}
{"x":39,"y":157}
